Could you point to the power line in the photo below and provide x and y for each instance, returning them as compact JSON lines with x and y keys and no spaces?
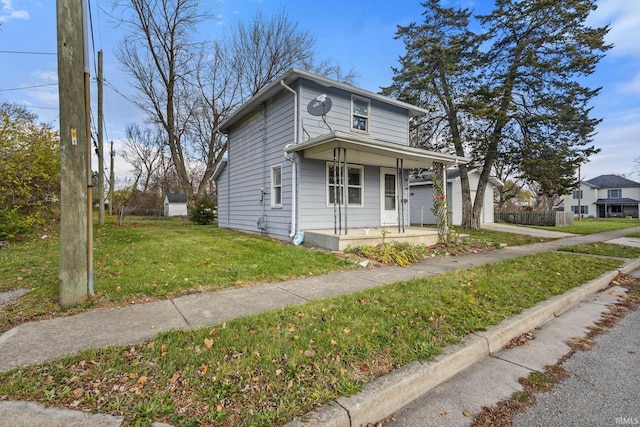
{"x":112,"y":87}
{"x":28,"y":87}
{"x":27,"y":53}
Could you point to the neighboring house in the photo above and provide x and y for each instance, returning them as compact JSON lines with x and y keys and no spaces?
{"x":312,"y":154}
{"x":421,"y":200}
{"x":175,"y":204}
{"x":606,"y":196}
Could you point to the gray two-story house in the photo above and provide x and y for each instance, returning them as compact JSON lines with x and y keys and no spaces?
{"x":311,"y":154}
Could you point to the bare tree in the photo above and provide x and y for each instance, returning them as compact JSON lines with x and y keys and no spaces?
{"x":265,"y":48}
{"x":160,"y":53}
{"x":144,"y":151}
{"x":189,"y":94}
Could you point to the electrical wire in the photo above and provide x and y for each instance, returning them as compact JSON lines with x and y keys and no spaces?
{"x":28,"y":87}
{"x":20,"y":52}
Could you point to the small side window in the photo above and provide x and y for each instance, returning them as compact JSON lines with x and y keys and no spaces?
{"x":276,"y":187}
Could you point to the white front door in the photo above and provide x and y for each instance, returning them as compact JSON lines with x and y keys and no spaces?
{"x":388,"y":197}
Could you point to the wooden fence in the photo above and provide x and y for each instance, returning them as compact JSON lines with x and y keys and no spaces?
{"x":553,"y":219}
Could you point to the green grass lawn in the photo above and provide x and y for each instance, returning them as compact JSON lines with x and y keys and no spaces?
{"x":266,"y":369}
{"x":604,"y":249}
{"x":596,"y":225}
{"x":148,"y":260}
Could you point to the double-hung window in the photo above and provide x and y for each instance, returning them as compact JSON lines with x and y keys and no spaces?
{"x":276,"y":187}
{"x":336,"y":189}
{"x":360,"y":114}
{"x":577,"y":194}
{"x":614,"y":193}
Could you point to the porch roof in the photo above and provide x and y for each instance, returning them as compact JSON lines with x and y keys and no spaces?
{"x":374,"y":152}
{"x":623,"y":201}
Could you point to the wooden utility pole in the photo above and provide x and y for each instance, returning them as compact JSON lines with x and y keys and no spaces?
{"x":111,"y":179}
{"x":73,"y":153}
{"x":100,"y":145}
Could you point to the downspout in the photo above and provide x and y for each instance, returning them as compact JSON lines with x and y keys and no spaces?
{"x":294,"y":166}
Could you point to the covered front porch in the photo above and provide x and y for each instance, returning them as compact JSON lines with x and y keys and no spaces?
{"x":330,"y":240}
{"x":357,"y":214}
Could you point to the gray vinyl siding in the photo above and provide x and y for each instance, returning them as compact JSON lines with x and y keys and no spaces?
{"x":222,"y":187}
{"x":386,"y":122}
{"x":314,"y":212}
{"x":257,"y":144}
{"x":421,"y":202}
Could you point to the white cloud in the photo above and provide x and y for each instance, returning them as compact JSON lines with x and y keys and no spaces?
{"x":46,"y":76}
{"x":631,"y":86}
{"x":623,"y":16}
{"x":8,"y":12}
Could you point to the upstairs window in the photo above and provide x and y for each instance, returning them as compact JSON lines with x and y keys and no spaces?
{"x":577,"y":194}
{"x":276,"y":187}
{"x":360,"y":114}
{"x":614,"y":193}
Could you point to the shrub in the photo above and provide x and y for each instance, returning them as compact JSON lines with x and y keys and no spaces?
{"x":203,"y":211}
{"x":14,"y":224}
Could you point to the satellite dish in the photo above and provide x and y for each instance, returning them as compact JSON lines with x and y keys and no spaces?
{"x":319,"y":106}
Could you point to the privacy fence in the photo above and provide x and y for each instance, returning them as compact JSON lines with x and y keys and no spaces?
{"x":553,"y":219}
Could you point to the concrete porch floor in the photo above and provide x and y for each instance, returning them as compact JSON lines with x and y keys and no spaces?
{"x":327,"y":239}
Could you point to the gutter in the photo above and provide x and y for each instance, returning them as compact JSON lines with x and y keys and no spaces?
{"x":294,"y":165}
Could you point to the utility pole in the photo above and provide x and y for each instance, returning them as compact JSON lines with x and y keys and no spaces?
{"x":111,"y":179}
{"x":100,"y":145}
{"x":73,"y":153}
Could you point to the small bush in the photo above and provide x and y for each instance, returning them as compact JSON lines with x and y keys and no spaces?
{"x":204,"y":211}
{"x":14,"y":224}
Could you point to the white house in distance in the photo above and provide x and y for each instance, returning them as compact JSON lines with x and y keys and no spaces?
{"x":421,"y":197}
{"x":312,"y":154}
{"x":605,"y":196}
{"x":175,"y":204}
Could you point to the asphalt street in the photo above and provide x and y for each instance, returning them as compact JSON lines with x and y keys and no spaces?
{"x":603,"y":388}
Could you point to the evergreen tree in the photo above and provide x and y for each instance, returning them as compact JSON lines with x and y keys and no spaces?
{"x":518,"y":92}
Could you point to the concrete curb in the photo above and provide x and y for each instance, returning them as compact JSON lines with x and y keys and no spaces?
{"x":388,"y":394}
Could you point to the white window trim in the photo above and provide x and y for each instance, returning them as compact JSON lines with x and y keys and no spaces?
{"x":345,"y":196}
{"x":610,"y":190}
{"x":273,"y":188}
{"x":368,"y":116}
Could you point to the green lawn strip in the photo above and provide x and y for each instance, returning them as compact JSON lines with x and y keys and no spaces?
{"x":637,"y":235}
{"x":266,"y":369}
{"x":498,"y":237}
{"x":596,"y":225}
{"x":153,"y":260}
{"x":604,"y":249}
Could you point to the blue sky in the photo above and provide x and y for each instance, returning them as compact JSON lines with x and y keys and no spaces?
{"x":355,"y":34}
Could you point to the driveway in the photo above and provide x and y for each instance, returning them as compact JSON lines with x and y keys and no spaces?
{"x":516,"y":229}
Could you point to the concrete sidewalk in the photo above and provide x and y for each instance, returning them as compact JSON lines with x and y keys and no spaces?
{"x":48,"y":339}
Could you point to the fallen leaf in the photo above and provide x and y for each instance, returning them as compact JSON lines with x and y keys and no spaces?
{"x":346,"y":330}
{"x":611,"y":292}
{"x":174,"y":378}
{"x":465,"y":413}
{"x":333,"y":342}
{"x":364,"y":367}
{"x":143,"y":380}
{"x":133,"y":375}
{"x":309,"y":353}
{"x":208,"y":342}
{"x":300,"y":314}
{"x":444,"y":414}
{"x":163,"y":350}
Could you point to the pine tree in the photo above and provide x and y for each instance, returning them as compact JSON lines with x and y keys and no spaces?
{"x":516,"y":87}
